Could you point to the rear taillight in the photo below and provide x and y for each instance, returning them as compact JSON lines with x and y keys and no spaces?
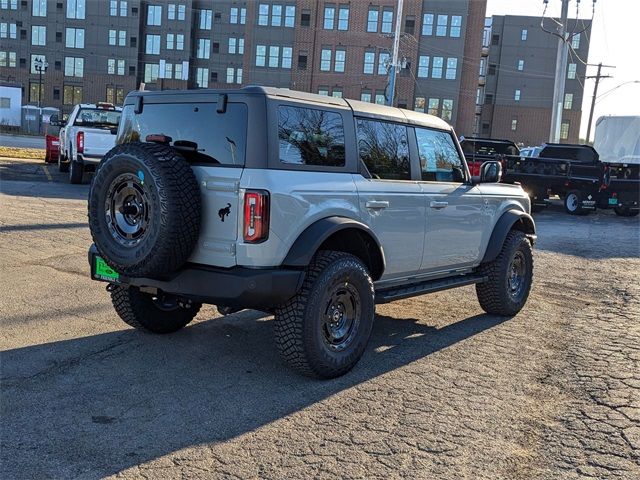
{"x":256,"y":216}
{"x":80,"y":142}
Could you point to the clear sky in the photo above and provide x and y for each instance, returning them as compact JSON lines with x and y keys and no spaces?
{"x":614,"y":41}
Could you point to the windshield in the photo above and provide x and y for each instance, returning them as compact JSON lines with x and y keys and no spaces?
{"x":97,"y":118}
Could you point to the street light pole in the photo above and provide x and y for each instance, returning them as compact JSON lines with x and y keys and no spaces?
{"x":41,"y":67}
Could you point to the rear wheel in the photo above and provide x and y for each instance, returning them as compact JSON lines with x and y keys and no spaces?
{"x":626,"y":212}
{"x":573,"y":203}
{"x":510,"y":277}
{"x":324,"y":330}
{"x":160,"y":313}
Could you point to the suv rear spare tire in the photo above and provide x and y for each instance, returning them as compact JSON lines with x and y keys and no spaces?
{"x":144,"y":209}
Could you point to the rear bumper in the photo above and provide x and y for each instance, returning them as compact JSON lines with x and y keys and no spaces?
{"x":237,"y":287}
{"x":89,"y":159}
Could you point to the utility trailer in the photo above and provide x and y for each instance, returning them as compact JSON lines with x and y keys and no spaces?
{"x":573,"y":172}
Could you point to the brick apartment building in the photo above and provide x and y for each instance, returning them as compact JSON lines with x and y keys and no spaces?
{"x":517,"y":70}
{"x":100,"y":50}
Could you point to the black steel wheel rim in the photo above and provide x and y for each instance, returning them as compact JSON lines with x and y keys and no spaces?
{"x":127,"y":209}
{"x":517,"y":272}
{"x":341,"y":315}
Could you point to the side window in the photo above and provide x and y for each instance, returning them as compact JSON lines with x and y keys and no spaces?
{"x":439,"y":158}
{"x":384,"y":149}
{"x":308,"y":136}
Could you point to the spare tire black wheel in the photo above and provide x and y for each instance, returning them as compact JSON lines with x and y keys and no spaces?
{"x":144,"y":209}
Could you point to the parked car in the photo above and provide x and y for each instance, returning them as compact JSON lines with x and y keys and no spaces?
{"x":313,"y":208}
{"x":87,"y":135}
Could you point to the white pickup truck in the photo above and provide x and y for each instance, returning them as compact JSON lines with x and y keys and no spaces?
{"x":88,"y":134}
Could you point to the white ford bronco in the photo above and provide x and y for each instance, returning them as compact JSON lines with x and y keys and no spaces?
{"x":309,"y":207}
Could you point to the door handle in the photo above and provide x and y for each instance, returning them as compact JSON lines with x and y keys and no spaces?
{"x":377,"y":205}
{"x":438,"y":205}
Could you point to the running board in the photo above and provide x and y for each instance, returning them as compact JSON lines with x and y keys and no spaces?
{"x":390,"y":294}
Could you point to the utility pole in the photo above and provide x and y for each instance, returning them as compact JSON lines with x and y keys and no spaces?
{"x":561,"y":74}
{"x":393,"y":70}
{"x":597,"y":76}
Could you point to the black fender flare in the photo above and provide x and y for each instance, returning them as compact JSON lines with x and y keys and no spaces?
{"x":310,"y":240}
{"x":508,"y":220}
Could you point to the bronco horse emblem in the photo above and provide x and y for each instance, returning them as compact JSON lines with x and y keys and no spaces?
{"x":224,"y":212}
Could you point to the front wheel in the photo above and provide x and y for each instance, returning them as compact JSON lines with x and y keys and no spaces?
{"x":160,"y":313}
{"x":324,"y":330}
{"x":626,"y":212}
{"x":510,"y":277}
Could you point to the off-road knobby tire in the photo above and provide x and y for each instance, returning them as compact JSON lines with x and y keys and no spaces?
{"x":493,"y":294}
{"x":298,"y":323}
{"x":625,"y":212}
{"x":579,"y":209}
{"x":174,"y":223}
{"x":76,"y":172}
{"x":138,"y":310}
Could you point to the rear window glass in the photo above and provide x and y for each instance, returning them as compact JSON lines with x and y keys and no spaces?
{"x":488,"y":148}
{"x":383,"y":148}
{"x":97,"y":118}
{"x":196,"y":130}
{"x":308,"y":136}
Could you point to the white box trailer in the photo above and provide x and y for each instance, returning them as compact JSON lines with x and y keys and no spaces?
{"x":617,"y":139}
{"x":10,"y":105}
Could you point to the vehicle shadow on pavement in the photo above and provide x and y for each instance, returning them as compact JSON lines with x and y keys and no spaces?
{"x":97,"y":405}
{"x":40,"y":189}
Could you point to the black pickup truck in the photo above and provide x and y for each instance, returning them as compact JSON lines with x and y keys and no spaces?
{"x":573,"y":172}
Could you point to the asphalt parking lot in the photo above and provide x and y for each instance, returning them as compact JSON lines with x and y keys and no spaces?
{"x":444,"y":391}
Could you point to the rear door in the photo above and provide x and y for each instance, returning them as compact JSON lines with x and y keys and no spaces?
{"x":457,"y":218}
{"x":391,"y":203}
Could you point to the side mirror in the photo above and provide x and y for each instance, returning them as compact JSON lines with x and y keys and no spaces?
{"x":490,"y":172}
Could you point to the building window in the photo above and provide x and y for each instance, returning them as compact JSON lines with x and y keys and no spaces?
{"x":343,"y":17}
{"x":263,"y":14}
{"x":41,"y":58}
{"x":204,"y":48}
{"x":75,"y":38}
{"x":410,"y":25}
{"x":383,"y":63}
{"x":153,"y":45}
{"x":151,"y":72}
{"x":8,"y":30}
{"x":73,"y":67}
{"x":302,"y":60}
{"x":434,"y":106}
{"x":171,"y":11}
{"x":7,"y":59}
{"x":380,"y":98}
{"x":323,"y":91}
{"x":452,"y":66}
{"x":35,"y":93}
{"x":287,"y":56}
{"x":71,"y":95}
{"x":111,"y":66}
{"x":289,"y":16}
{"x":261,"y":55}
{"x":232,"y":45}
{"x":441,"y":29}
{"x":568,"y":101}
{"x":564,"y":130}
{"x":170,"y":41}
{"x":365,"y":96}
{"x":231,"y":74}
{"x":340,"y":60}
{"x":516,"y":96}
{"x":276,"y":15}
{"x":122,"y":38}
{"x":575,"y":44}
{"x":76,"y":9}
{"x":387,"y":21}
{"x":168,"y":71}
{"x":423,"y":66}
{"x":419,"y":103}
{"x":337,"y":92}
{"x":436,"y":69}
{"x":372,"y":20}
{"x":180,"y":42}
{"x":514,"y":124}
{"x":39,"y":8}
{"x":447,"y":109}
{"x":492,"y":69}
{"x":427,"y":24}
{"x":456,"y":26}
{"x":154,"y":15}
{"x":329,"y":17}
{"x":495,"y":40}
{"x":178,"y":72}
{"x":524,"y":34}
{"x":238,"y":15}
{"x":113,"y":8}
{"x":274,"y":56}
{"x":205,"y":19}
{"x":325,"y":60}
{"x":115,"y":95}
{"x":202,"y":77}
{"x":571,"y":72}
{"x":369,"y":62}
{"x":38,"y":35}
{"x":483,"y":67}
{"x":520,"y":65}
